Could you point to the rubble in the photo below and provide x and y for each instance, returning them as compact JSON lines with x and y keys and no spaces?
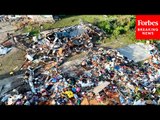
{"x":4,"y":50}
{"x":102,"y":77}
{"x":100,"y":87}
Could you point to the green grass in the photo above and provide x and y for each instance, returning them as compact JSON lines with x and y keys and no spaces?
{"x":119,"y":41}
{"x":74,"y":20}
{"x":67,"y":21}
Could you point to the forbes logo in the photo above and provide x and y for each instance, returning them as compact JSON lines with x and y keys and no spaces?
{"x":148,"y":27}
{"x":147,"y":23}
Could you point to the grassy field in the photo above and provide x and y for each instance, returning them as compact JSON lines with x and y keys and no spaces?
{"x":14,"y":59}
{"x":67,"y":21}
{"x":76,"y":19}
{"x":73,"y":20}
{"x":120,"y":41}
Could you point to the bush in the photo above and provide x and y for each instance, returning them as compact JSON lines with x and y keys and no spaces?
{"x":27,"y":29}
{"x":34,"y":32}
{"x":117,"y":26}
{"x":108,"y":29}
{"x":132,"y":23}
{"x":113,"y":20}
{"x":119,"y":30}
{"x":105,"y":26}
{"x":124,"y":22}
{"x":122,"y":30}
{"x":102,"y":24}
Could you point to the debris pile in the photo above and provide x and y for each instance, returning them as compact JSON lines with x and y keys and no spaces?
{"x":104,"y":77}
{"x":45,"y":54}
{"x":53,"y":49}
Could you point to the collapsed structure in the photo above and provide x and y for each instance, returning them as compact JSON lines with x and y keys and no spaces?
{"x":104,"y":76}
{"x":50,"y":52}
{"x":53,"y":48}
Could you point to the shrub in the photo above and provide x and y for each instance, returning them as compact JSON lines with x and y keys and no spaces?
{"x":117,"y":26}
{"x":105,"y":26}
{"x":124,"y":22}
{"x":112,"y":20}
{"x":102,"y":24}
{"x":108,"y":29}
{"x":119,"y":30}
{"x":34,"y":32}
{"x":132,"y":23}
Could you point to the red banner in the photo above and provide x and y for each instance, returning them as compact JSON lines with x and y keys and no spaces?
{"x":147,"y":27}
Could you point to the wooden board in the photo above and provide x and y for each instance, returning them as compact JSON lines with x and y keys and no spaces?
{"x":100,"y":87}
